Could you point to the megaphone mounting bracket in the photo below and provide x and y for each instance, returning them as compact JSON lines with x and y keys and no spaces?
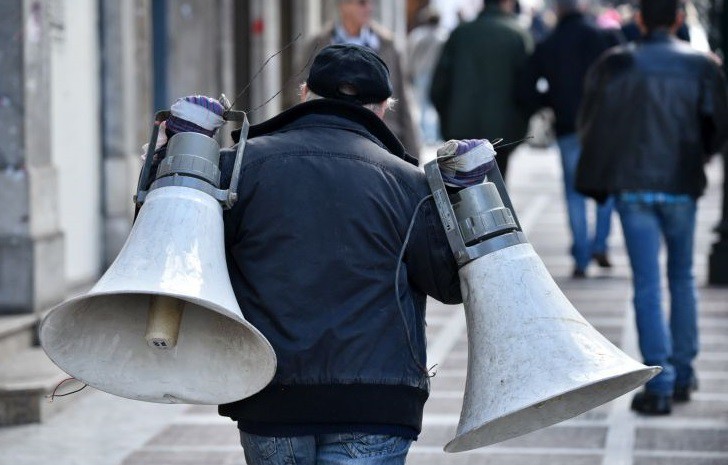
{"x":505,"y":237}
{"x":227,"y":197}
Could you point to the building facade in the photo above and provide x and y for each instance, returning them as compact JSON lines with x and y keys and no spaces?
{"x":80,"y":82}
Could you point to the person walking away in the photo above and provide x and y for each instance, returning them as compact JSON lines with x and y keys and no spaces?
{"x":329,"y":201}
{"x":424,"y":44}
{"x":473,"y":87}
{"x":633,"y":32}
{"x":561,"y":62}
{"x":355,"y":26}
{"x":652,"y":114}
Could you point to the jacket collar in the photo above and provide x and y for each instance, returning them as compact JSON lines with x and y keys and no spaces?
{"x":659,"y":35}
{"x":355,"y":116}
{"x":570,"y":17}
{"x":492,"y":10}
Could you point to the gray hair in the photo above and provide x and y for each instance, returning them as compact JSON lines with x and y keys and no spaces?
{"x":387,"y":104}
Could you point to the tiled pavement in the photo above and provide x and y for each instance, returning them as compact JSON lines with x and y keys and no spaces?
{"x":104,"y":430}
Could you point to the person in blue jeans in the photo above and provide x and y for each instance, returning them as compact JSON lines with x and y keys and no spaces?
{"x":584,"y":247}
{"x":554,"y":78}
{"x":651,"y":116}
{"x":647,"y":219}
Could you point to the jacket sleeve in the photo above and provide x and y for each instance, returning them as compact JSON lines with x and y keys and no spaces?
{"x":590,"y":179}
{"x":431,"y":266}
{"x":589,"y":98}
{"x":714,"y":110}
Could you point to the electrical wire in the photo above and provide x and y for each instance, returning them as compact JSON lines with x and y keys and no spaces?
{"x":53,"y":395}
{"x":424,"y":369}
{"x":498,"y":142}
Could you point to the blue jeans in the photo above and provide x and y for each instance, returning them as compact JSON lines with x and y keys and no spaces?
{"x":582,"y":247}
{"x":325,"y":449}
{"x":674,"y":346}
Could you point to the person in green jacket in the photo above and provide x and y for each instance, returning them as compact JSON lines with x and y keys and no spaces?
{"x":474,"y":84}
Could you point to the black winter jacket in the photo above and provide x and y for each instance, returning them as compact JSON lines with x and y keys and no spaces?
{"x":652,"y":113}
{"x":474,"y":81}
{"x":562,"y":59}
{"x":325,"y":200}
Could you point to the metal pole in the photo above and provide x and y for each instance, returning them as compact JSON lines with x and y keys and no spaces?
{"x":718,"y":260}
{"x":160,"y":51}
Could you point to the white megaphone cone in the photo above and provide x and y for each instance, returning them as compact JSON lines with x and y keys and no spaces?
{"x":533,"y":360}
{"x":163,"y":324}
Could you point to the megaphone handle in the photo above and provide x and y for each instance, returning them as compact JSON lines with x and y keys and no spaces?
{"x":445,"y":212}
{"x":234,"y":115}
{"x":233,"y":188}
{"x":143,"y":183}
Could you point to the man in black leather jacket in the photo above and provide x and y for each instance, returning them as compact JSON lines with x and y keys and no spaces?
{"x":652,"y":113}
{"x":326,"y":198}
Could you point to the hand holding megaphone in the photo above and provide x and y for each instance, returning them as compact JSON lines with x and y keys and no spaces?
{"x":465,"y":163}
{"x":194,"y":113}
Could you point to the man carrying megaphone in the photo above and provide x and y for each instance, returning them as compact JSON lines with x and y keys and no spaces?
{"x":327,"y":207}
{"x":333,"y":247}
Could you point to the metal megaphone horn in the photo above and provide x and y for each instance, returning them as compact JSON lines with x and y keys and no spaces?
{"x":163,"y":324}
{"x":533,"y":360}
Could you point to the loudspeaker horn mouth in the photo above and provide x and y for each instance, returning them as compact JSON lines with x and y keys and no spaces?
{"x":99,"y":339}
{"x":550,"y":411}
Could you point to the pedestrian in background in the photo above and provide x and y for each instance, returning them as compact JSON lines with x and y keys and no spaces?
{"x":652,"y":114}
{"x":355,"y":26}
{"x":424,"y":44}
{"x":541,"y":23}
{"x":473,"y":88}
{"x":632,"y":31}
{"x":555,"y":79}
{"x":329,"y":202}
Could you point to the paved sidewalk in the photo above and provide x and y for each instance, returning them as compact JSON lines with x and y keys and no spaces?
{"x":105,"y":430}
